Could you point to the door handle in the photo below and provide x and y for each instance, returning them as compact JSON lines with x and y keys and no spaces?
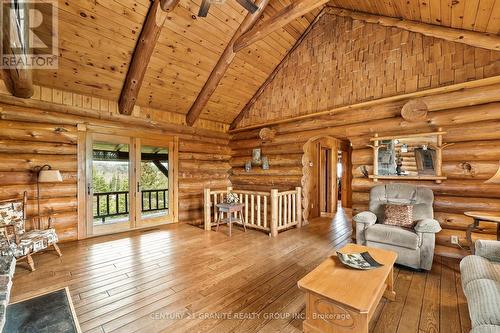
{"x":89,"y":189}
{"x":138,"y":187}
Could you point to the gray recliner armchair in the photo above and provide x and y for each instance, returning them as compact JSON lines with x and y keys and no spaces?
{"x":415,"y":248}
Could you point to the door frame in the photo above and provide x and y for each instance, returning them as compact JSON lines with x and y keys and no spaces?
{"x":84,"y":165}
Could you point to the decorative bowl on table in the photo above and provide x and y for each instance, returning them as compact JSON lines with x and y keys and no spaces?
{"x":363,"y":261}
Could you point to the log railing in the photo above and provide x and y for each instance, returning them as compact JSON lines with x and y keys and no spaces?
{"x":270,"y":212}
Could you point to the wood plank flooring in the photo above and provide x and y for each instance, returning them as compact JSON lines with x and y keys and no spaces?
{"x":180,"y":278}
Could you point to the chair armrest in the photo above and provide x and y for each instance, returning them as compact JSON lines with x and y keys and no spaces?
{"x":427,"y":226}
{"x":367,"y":218}
{"x":488,"y":249}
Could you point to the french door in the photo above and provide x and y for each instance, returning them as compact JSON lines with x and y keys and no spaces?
{"x":129,"y":183}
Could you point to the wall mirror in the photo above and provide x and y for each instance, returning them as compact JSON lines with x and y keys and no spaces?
{"x":414,"y":156}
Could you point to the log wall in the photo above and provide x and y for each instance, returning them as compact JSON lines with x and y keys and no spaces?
{"x":45,"y":133}
{"x":343,"y":62}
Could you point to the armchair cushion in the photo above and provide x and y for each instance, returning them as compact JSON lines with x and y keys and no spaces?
{"x":427,"y":225}
{"x":392,"y":235}
{"x":41,"y":239}
{"x":488,"y":249}
{"x":366,"y":218}
{"x":475,"y":267}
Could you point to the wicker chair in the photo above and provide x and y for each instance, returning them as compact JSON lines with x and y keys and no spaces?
{"x":17,"y":240}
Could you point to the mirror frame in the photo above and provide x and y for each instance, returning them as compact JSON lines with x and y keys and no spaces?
{"x":438,"y":178}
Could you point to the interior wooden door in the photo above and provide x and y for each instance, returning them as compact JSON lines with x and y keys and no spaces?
{"x":323,"y":187}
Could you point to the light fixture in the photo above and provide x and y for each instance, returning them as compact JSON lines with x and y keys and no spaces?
{"x":495,"y":179}
{"x":45,"y":174}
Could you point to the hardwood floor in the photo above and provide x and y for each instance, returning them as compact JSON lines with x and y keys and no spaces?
{"x":182,"y":279}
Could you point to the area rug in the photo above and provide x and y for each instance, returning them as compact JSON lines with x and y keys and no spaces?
{"x":51,"y":312}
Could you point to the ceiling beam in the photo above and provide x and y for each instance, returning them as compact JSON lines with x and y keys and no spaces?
{"x":277,"y":21}
{"x":19,"y":79}
{"x":270,"y":78}
{"x":222,"y":65}
{"x":477,"y":39}
{"x":146,"y":43}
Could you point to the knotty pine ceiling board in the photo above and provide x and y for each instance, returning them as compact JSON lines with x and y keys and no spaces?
{"x":476,"y":15}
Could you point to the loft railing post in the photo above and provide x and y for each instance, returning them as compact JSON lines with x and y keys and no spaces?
{"x":298,"y":206}
{"x":207,"y":219}
{"x":274,"y":213}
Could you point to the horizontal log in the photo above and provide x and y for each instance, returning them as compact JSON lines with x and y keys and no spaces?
{"x":46,"y":191}
{"x":202,"y":147}
{"x":274,"y":160}
{"x":33,"y":147}
{"x":261,"y":187}
{"x":203,"y":166}
{"x":46,"y":112}
{"x":464,"y":170}
{"x":204,"y":157}
{"x":18,"y":162}
{"x":268,"y":180}
{"x":293,"y":148}
{"x":37,"y":132}
{"x":273,"y":171}
{"x":444,"y":237}
{"x":461,"y":188}
{"x":446,"y":204}
{"x":461,"y":222}
{"x":473,"y":151}
{"x":185,"y":184}
{"x":53,"y":205}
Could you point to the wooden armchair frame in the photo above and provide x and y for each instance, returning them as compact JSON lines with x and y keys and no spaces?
{"x":38,"y":222}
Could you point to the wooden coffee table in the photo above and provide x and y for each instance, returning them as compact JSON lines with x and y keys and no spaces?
{"x":341,"y":299}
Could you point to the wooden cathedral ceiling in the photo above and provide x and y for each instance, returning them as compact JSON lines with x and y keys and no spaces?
{"x":97,"y":39}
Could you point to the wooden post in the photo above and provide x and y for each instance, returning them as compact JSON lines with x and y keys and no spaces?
{"x":208,"y":222}
{"x":375,"y":157}
{"x":298,"y":206}
{"x":274,"y":213}
{"x":439,"y":155}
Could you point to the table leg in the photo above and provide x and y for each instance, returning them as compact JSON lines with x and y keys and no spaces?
{"x":243,"y":220}
{"x":230,"y":223}
{"x":469,"y":235}
{"x":218,"y":220}
{"x":389,"y":293}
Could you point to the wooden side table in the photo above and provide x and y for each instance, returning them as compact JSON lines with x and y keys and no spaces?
{"x":478,"y":217}
{"x":229,"y":209}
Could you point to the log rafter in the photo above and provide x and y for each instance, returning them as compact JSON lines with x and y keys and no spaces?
{"x":157,"y":14}
{"x":222,"y":65}
{"x":18,"y":80}
{"x":277,"y":21}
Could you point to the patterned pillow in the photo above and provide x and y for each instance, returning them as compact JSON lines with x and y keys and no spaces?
{"x":399,"y":215}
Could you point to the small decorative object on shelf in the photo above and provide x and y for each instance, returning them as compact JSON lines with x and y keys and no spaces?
{"x":248,"y":166}
{"x":358,"y":260}
{"x":232,"y":198}
{"x":256,"y":156}
{"x":265,"y":163}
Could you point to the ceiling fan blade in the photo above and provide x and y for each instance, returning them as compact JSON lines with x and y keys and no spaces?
{"x":205,"y":6}
{"x":248,"y":5}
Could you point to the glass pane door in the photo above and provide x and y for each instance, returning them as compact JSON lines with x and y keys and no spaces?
{"x":154,"y":183}
{"x":110,"y":185}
